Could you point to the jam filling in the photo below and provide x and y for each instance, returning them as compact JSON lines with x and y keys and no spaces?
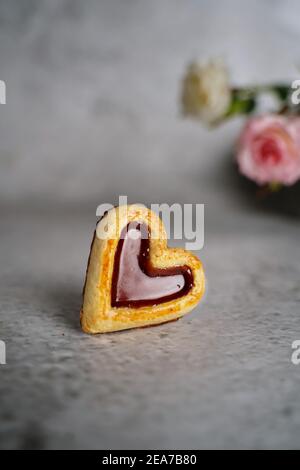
{"x":135,"y":282}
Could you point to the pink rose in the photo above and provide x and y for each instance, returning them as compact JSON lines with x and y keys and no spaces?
{"x":269,"y":149}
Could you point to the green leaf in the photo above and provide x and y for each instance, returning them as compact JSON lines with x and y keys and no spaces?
{"x":241,"y":104}
{"x":281,"y":91}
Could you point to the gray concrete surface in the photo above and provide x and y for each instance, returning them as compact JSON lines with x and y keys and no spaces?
{"x":91,"y":113}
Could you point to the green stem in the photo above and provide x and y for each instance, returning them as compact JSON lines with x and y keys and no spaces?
{"x":244,"y":100}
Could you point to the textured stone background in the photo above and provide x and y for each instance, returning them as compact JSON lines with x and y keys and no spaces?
{"x":92,"y":113}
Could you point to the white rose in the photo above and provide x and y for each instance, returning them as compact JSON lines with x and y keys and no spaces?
{"x":206,"y":93}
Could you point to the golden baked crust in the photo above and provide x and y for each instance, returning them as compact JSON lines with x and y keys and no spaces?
{"x":97,"y":315}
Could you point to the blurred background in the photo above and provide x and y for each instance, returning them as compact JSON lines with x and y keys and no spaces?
{"x":92,"y":113}
{"x":92,"y":93}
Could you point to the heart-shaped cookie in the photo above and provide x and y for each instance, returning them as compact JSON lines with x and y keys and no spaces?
{"x":133,"y":279}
